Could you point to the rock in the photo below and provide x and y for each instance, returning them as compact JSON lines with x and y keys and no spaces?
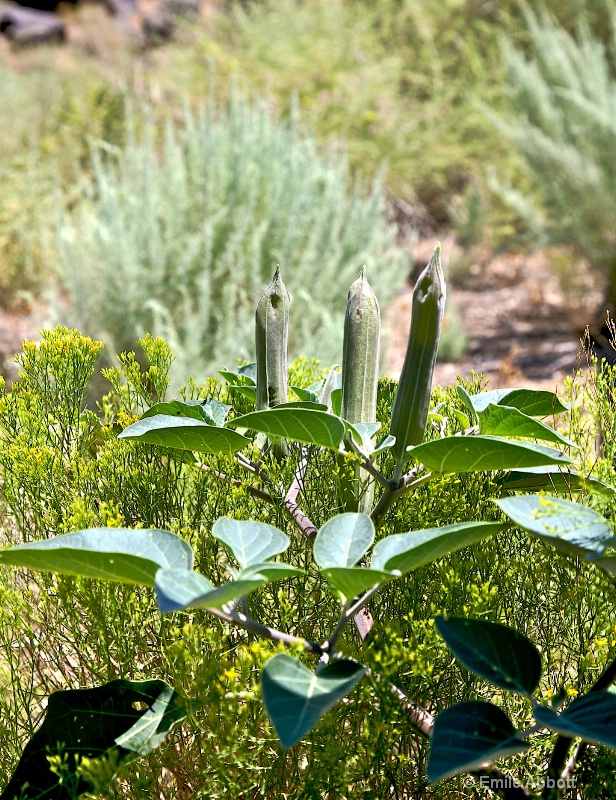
{"x":29,"y":26}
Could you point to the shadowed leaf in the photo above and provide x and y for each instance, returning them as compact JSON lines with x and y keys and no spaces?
{"x":469,"y":736}
{"x":296,"y":698}
{"x":497,"y":653}
{"x":125,"y":719}
{"x":592,"y":717}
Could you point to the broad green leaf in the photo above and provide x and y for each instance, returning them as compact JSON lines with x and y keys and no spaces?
{"x":352,"y":581}
{"x":462,"y":418}
{"x":336,"y":398}
{"x":306,"y":394}
{"x":250,"y":542}
{"x":343,"y":540}
{"x":177,"y":589}
{"x":365,"y":431}
{"x":122,"y":720}
{"x":113,"y":554}
{"x":216,"y":411}
{"x":499,"y":420}
{"x":332,"y":383}
{"x":483,"y":453}
{"x":185,"y":434}
{"x":592,"y":717}
{"x":249,"y":392}
{"x":303,"y":425}
{"x":569,"y":527}
{"x":469,"y":736}
{"x":245,"y":376}
{"x":497,"y":653}
{"x":607,"y":563}
{"x":272,"y":570}
{"x":554,"y":478}
{"x":178,"y":408}
{"x":407,"y":551}
{"x":211,"y":411}
{"x":309,"y":404}
{"x":534,"y":402}
{"x":385,"y":444}
{"x":467,"y":400}
{"x":296,"y":698}
{"x":151,"y":729}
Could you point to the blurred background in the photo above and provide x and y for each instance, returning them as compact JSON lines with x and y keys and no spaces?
{"x":158,"y":158}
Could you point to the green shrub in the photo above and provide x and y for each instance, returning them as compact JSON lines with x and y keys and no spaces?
{"x":562,"y":121}
{"x":63,"y":469}
{"x":178,"y":240}
{"x":53,"y":123}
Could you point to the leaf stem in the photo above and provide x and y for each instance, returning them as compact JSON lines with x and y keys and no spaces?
{"x":393,"y":490}
{"x":242,"y":621}
{"x":258,"y":493}
{"x":305,"y":525}
{"x":367,"y":463}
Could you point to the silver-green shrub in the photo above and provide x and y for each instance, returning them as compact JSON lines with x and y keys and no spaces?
{"x":176,"y":234}
{"x":563,"y":123}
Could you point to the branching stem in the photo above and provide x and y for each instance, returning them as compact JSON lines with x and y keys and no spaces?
{"x":349,"y":611}
{"x":242,"y":621}
{"x":393,"y":490}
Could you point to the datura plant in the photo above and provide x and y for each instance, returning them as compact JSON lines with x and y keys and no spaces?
{"x":499,"y":431}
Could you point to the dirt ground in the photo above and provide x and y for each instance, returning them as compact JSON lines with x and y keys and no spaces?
{"x":522,"y":330}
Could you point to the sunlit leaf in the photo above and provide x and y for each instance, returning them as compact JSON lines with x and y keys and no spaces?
{"x":500,"y":420}
{"x":177,"y":589}
{"x":407,"y":551}
{"x":307,"y":426}
{"x":343,"y":540}
{"x":185,"y":433}
{"x":569,"y":527}
{"x":483,"y":453}
{"x":113,"y":554}
{"x":249,"y":541}
{"x":353,"y":581}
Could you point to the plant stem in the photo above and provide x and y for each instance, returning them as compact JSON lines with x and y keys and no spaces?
{"x":256,"y":469}
{"x":423,"y":723}
{"x":258,"y":493}
{"x":305,"y":525}
{"x":349,"y":612}
{"x":393,"y":490}
{"x":367,"y":463}
{"x":242,"y":621}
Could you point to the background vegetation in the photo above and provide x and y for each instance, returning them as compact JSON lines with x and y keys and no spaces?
{"x":438,"y":99}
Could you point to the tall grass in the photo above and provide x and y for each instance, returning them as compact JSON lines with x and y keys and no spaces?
{"x":562,"y":122}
